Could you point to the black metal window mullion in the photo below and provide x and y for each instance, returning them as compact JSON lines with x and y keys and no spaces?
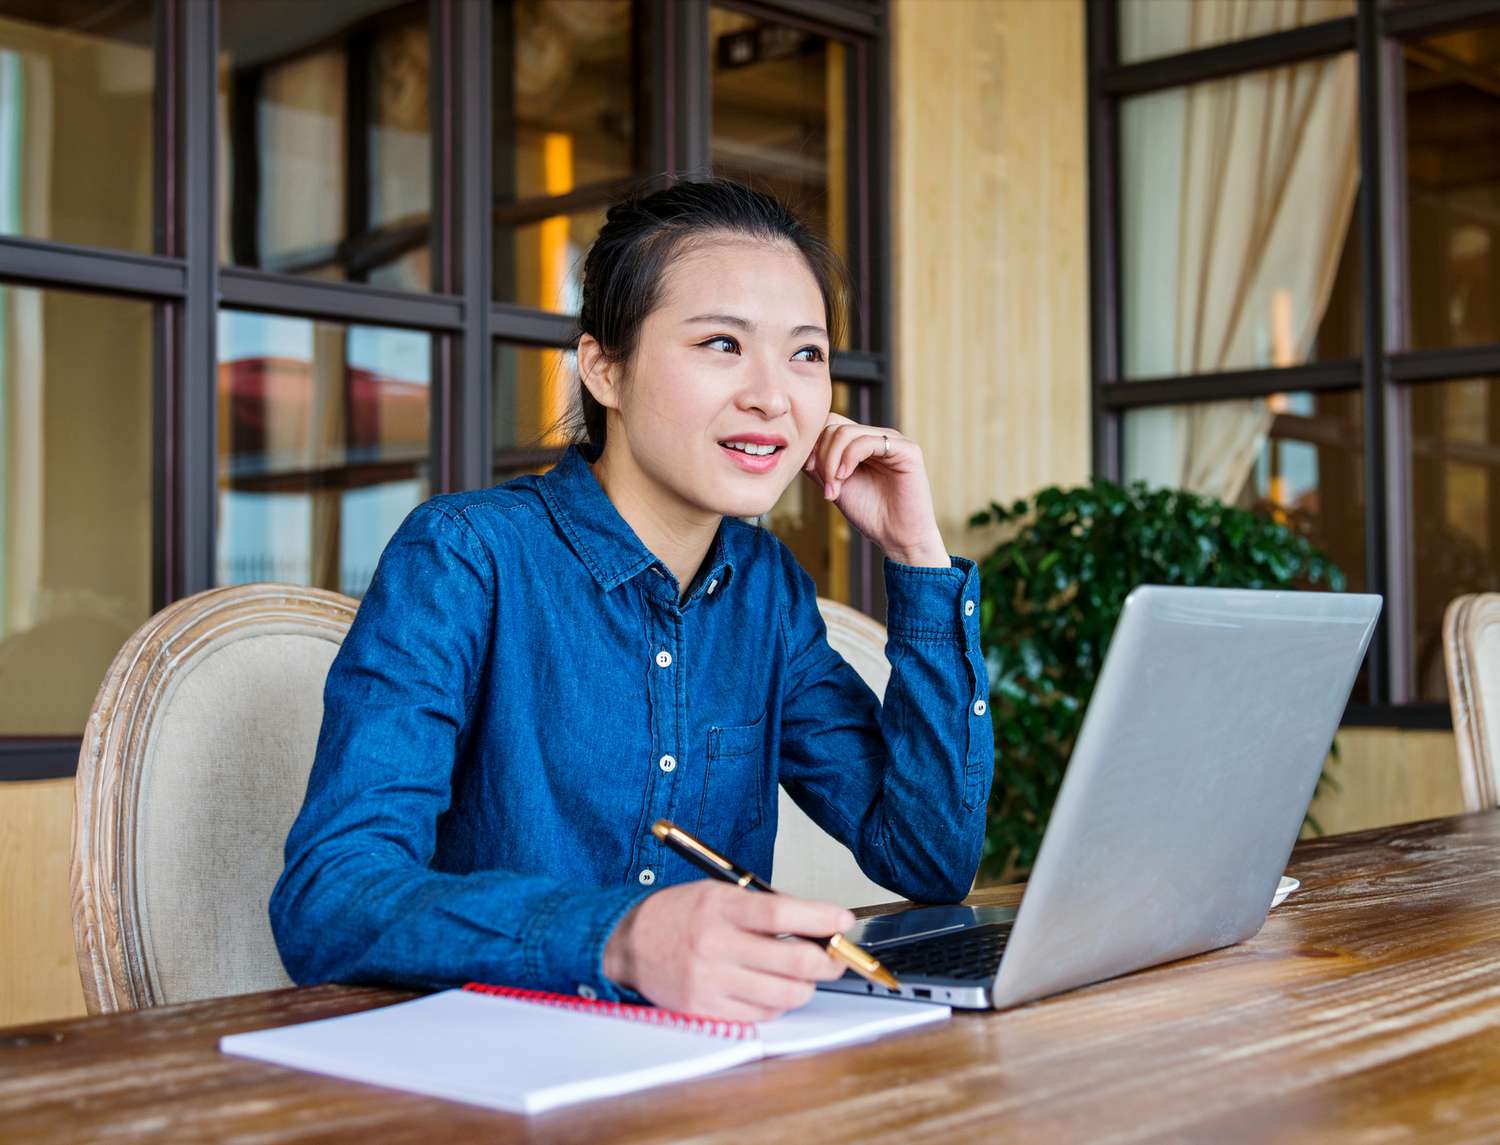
{"x":467,"y":417}
{"x":166,"y":34}
{"x":242,"y":288}
{"x":691,"y":108}
{"x":442,"y":98}
{"x":1383,"y":648}
{"x":1104,"y":234}
{"x":192,"y":391}
{"x":1275,"y":49}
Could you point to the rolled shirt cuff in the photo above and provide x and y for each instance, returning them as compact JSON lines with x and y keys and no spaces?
{"x":564,"y":943}
{"x":933,"y":603}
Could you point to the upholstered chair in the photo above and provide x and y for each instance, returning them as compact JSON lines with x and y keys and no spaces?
{"x":1471,"y":657}
{"x":194,"y":764}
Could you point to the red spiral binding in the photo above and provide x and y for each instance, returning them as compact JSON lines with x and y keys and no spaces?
{"x":650,"y":1015}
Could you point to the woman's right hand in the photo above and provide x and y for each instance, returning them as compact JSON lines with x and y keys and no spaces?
{"x":709,"y":948}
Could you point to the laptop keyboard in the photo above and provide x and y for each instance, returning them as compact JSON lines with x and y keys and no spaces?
{"x":970,"y":954}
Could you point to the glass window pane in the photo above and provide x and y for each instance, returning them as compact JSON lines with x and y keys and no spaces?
{"x":1296,"y":457}
{"x":1454,"y":518}
{"x":1453,"y":187}
{"x":540,"y":263}
{"x":323,"y":447}
{"x":534,"y":390}
{"x":817,"y":533}
{"x":1239,"y":247}
{"x":1151,"y":28}
{"x":326,"y":163}
{"x":564,"y":125}
{"x":77,"y":142}
{"x":75,"y":499}
{"x":779,"y":116}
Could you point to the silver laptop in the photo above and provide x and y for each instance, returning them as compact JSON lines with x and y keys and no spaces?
{"x":1186,"y":790}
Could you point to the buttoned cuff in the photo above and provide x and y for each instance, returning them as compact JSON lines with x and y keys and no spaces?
{"x":933,"y":603}
{"x":564,"y":944}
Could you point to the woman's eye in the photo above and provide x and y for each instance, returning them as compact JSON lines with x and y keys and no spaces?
{"x":725,"y":338}
{"x":815,"y":351}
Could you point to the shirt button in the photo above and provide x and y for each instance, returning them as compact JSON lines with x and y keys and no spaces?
{"x":713,"y":584}
{"x":667,"y":763}
{"x":587,"y":992}
{"x":646,"y":877}
{"x":968,"y":608}
{"x":979,"y":706}
{"x":663,"y":659}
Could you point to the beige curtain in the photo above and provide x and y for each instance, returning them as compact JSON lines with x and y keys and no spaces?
{"x":1238,"y":195}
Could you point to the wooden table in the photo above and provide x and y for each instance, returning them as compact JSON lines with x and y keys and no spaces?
{"x":1367,"y":1007}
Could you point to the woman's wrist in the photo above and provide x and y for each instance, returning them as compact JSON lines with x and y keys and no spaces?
{"x":931,"y":554}
{"x":618,"y":963}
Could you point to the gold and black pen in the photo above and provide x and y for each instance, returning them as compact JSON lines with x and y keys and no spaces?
{"x":700,"y":854}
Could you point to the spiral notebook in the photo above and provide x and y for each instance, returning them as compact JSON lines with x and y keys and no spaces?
{"x":529,"y":1051}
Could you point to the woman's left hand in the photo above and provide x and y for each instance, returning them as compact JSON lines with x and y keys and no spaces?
{"x":882,"y":489}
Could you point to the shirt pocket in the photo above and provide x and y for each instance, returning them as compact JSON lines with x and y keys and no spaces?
{"x":734,"y":783}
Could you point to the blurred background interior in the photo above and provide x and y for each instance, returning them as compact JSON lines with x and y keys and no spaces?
{"x":274,"y":271}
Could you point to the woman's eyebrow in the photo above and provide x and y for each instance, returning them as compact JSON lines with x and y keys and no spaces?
{"x":747,"y":325}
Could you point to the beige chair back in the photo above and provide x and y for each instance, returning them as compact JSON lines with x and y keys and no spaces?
{"x":809,"y":862}
{"x":1471,"y":656}
{"x":194,"y":764}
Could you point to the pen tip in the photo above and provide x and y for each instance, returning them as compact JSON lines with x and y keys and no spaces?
{"x":660,"y":828}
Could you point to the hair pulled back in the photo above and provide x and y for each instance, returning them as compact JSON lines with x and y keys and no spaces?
{"x":644,"y":232}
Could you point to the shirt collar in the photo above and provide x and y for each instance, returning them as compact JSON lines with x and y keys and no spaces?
{"x":604,"y":540}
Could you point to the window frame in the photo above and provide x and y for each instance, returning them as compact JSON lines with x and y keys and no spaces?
{"x":189,"y":285}
{"x":1386,"y":367}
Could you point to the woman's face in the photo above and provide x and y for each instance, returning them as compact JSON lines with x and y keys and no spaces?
{"x":735,"y":356}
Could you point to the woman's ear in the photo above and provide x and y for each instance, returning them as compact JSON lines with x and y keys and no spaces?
{"x":599,"y":375}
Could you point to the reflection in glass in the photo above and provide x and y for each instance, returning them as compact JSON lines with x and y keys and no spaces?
{"x":1152,"y":28}
{"x":77,"y":147}
{"x":534,"y":392}
{"x":1238,"y":244}
{"x":1296,"y":457}
{"x":564,"y":125}
{"x":326,"y":164}
{"x":1453,"y":187}
{"x":1455,"y":510}
{"x":75,"y":499}
{"x":323,"y":447}
{"x":779,"y":116}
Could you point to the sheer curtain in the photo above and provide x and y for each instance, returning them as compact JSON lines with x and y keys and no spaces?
{"x":1236,"y":197}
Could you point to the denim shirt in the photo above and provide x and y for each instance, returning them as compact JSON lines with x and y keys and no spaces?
{"x":525,"y":690}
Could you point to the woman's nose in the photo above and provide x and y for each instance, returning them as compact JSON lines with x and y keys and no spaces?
{"x":766,"y":390}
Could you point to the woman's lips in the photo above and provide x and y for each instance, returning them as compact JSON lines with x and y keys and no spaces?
{"x":752,"y":464}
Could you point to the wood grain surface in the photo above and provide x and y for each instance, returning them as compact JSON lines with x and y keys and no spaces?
{"x":1367,"y":1008}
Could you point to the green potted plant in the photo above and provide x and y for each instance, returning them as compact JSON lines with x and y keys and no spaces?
{"x":1050,"y":596}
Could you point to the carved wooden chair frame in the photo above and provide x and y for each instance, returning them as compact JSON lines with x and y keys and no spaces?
{"x":1464,"y":622}
{"x":107,"y":933}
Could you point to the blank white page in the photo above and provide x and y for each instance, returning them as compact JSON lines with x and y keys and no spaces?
{"x":495,"y":1052}
{"x":832,"y":1019}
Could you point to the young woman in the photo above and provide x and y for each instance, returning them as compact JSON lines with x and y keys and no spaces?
{"x":542,"y":669}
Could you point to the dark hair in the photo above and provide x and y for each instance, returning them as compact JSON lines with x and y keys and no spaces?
{"x":644,"y":232}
